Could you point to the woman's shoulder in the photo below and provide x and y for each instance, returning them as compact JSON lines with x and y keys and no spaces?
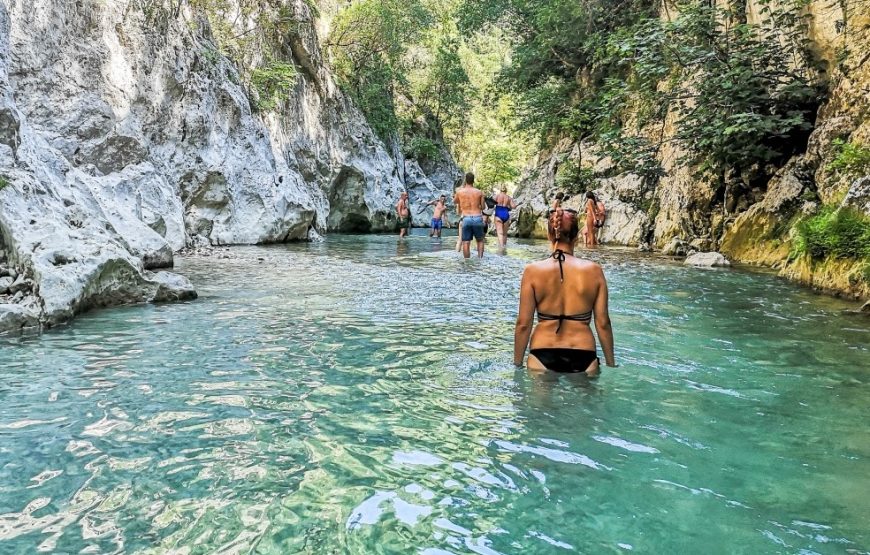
{"x":537,"y":268}
{"x":536,"y":265}
{"x":587,"y":265}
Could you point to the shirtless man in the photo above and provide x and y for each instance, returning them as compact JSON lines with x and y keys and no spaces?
{"x":471,"y":205}
{"x":503,"y":206}
{"x":403,"y":211}
{"x":439,"y":216}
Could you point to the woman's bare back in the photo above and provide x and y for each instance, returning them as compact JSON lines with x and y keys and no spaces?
{"x":574,"y":292}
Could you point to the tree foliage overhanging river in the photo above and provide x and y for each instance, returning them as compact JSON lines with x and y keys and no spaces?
{"x":358,"y":396}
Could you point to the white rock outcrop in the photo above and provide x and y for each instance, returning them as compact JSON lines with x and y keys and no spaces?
{"x":123,"y":140}
{"x":624,"y":196}
{"x":422,"y":190}
{"x":707,"y":260}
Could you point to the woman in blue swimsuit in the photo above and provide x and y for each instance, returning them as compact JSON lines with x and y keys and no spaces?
{"x":503,"y":206}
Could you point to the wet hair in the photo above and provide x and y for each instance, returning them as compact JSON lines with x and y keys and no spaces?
{"x":560,"y":195}
{"x":591,"y":195}
{"x":443,"y":196}
{"x":562,"y":225}
{"x":469,"y":178}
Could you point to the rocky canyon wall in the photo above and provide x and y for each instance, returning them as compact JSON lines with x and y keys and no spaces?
{"x":125,"y":136}
{"x":751,"y":225}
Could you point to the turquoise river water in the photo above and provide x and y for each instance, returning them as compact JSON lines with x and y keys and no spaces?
{"x":358,"y":396}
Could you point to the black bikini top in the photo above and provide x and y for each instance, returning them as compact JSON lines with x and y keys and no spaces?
{"x":585,"y":317}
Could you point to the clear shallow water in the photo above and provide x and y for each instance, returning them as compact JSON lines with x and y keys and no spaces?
{"x":358,"y":396}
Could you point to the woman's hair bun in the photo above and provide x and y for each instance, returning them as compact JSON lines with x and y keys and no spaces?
{"x":562,"y":225}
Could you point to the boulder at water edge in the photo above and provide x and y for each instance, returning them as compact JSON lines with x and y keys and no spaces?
{"x":707,"y":260}
{"x":15,"y":317}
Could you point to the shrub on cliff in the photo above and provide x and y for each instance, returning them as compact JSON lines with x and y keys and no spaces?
{"x":839,"y":233}
{"x":273,"y":82}
{"x":851,"y":159}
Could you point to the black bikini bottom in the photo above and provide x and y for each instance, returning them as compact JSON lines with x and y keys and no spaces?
{"x":565,"y":360}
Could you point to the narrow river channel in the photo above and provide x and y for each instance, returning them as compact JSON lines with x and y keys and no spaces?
{"x":358,"y":396}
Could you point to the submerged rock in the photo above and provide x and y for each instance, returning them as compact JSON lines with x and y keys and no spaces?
{"x":707,"y":260}
{"x":172,"y":288}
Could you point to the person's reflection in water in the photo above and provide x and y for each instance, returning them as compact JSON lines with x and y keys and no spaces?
{"x":402,"y":248}
{"x":541,"y":389}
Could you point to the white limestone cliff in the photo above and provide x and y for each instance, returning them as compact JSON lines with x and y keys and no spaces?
{"x":123,"y":140}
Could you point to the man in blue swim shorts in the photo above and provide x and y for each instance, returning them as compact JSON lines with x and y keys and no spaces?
{"x":471,"y":204}
{"x":439,"y":216}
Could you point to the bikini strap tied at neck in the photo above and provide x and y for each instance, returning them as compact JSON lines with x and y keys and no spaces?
{"x":559,"y":256}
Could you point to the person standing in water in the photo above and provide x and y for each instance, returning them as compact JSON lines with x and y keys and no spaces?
{"x":600,"y":216}
{"x":592,"y":220}
{"x":556,"y":204}
{"x":471,"y":205}
{"x":403,"y":212}
{"x":486,"y":217}
{"x":439,"y":216}
{"x":503,"y":206}
{"x":567,"y":293}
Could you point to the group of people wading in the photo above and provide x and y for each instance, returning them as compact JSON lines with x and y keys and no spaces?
{"x":566,"y":292}
{"x":475,"y":214}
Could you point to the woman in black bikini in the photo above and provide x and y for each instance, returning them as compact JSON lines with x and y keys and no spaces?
{"x":566,"y":292}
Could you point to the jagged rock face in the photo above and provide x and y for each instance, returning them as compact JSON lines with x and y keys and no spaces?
{"x":858,"y":197}
{"x":124,"y":139}
{"x":754,"y":236}
{"x":442,"y":170}
{"x":328,"y":142}
{"x":625,"y":196}
{"x":757,"y":236}
{"x":422,"y":189}
{"x":536,"y":190}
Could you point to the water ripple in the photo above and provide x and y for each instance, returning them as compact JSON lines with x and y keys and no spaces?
{"x":358,"y":396}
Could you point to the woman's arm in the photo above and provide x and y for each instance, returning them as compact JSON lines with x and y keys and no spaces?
{"x":525,"y":317}
{"x":602,"y":322}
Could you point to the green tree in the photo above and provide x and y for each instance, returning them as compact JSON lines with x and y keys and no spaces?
{"x":367,"y":47}
{"x":445,"y":90}
{"x":499,"y":166}
{"x":745,"y":92}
